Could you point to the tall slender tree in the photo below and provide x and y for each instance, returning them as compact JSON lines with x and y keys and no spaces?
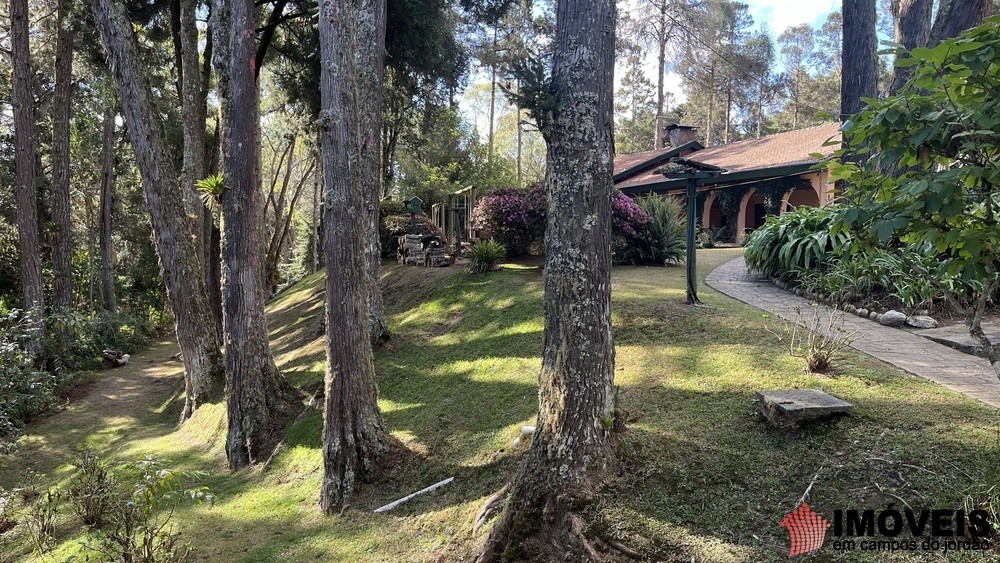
{"x":192,"y":99}
{"x":371,"y":69}
{"x":569,"y":451}
{"x":354,"y":434}
{"x":260,"y":401}
{"x":25,"y":145}
{"x":108,"y":294}
{"x":180,"y":262}
{"x":62,"y":234}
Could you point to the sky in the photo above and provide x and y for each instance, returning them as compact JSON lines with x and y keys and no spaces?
{"x":775,"y":15}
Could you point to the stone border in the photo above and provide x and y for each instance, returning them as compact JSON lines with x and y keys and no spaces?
{"x":970,"y":375}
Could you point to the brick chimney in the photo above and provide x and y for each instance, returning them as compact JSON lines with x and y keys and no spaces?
{"x":681,"y":134}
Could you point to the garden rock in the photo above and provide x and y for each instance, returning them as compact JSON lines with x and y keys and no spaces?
{"x":892,"y":317}
{"x":873,"y":315}
{"x":862,"y":313}
{"x":922,"y":321}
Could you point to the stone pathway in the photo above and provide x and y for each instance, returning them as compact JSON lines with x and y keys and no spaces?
{"x":943,"y":365}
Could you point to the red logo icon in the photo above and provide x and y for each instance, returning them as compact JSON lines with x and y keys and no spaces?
{"x":806,"y":528}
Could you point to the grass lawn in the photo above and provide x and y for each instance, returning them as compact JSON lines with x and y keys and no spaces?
{"x":699,"y":476}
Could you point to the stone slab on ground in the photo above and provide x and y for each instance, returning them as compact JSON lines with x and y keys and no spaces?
{"x":945,"y":366}
{"x":957,"y":337}
{"x":788,"y":406}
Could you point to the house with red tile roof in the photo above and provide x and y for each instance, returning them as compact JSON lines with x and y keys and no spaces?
{"x":769,"y":175}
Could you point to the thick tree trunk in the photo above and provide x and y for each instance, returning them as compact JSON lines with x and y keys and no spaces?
{"x":62,"y":233}
{"x":371,"y":75}
{"x":570,"y":449}
{"x":354,"y":435}
{"x":107,"y":206}
{"x":860,"y":56}
{"x":912,"y":28}
{"x":260,"y":401}
{"x":955,"y":16}
{"x":180,"y":262}
{"x":25,"y":147}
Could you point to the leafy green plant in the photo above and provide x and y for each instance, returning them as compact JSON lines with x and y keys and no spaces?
{"x":661,"y":241}
{"x":138,"y":525}
{"x":922,"y":168}
{"x":486,"y":256}
{"x":793,"y":242}
{"x":91,"y":491}
{"x":211,"y":188}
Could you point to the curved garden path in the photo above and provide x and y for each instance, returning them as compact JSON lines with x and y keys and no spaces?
{"x":945,"y":366}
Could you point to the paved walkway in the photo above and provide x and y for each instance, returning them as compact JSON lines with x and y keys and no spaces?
{"x":943,"y":365}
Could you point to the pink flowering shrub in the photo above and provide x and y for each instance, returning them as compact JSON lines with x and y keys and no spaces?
{"x":516,"y":218}
{"x":512,"y":217}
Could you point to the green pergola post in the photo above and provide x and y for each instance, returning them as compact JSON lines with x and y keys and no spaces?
{"x":692,"y":171}
{"x":692,"y":204}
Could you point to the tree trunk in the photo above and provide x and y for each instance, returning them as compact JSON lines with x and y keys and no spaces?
{"x":180,"y":262}
{"x":354,"y":435}
{"x":371,"y":74}
{"x":62,"y":233}
{"x":955,"y":16}
{"x":912,"y":28}
{"x":194,"y":121}
{"x":107,"y":206}
{"x":25,"y":147}
{"x":859,"y":56}
{"x":661,"y":59}
{"x":570,"y":448}
{"x":260,"y":401}
{"x":711,"y":105}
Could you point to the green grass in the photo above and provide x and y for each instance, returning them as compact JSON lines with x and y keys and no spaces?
{"x":698,"y":476}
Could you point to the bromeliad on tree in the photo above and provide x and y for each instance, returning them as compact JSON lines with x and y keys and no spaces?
{"x":944,"y":197}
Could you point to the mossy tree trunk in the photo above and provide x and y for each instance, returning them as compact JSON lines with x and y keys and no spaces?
{"x":260,"y":401}
{"x":570,"y":449}
{"x":354,"y":435}
{"x":180,"y":262}
{"x":25,"y":146}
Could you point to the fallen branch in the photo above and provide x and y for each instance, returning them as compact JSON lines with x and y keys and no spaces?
{"x":396,"y":503}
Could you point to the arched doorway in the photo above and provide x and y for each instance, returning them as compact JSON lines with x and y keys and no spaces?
{"x":712,"y":216}
{"x":753,"y":211}
{"x":802,"y":197}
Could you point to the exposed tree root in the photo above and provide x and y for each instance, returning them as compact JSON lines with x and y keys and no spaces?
{"x":491,"y":508}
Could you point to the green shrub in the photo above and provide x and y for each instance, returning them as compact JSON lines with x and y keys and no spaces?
{"x":795,"y":241}
{"x":486,"y":256}
{"x":77,"y":339}
{"x":662,"y":240}
{"x":25,"y":390}
{"x":137,"y":525}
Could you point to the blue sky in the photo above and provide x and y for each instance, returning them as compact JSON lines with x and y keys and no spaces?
{"x":779,"y":15}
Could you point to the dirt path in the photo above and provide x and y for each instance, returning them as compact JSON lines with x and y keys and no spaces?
{"x":118,"y":404}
